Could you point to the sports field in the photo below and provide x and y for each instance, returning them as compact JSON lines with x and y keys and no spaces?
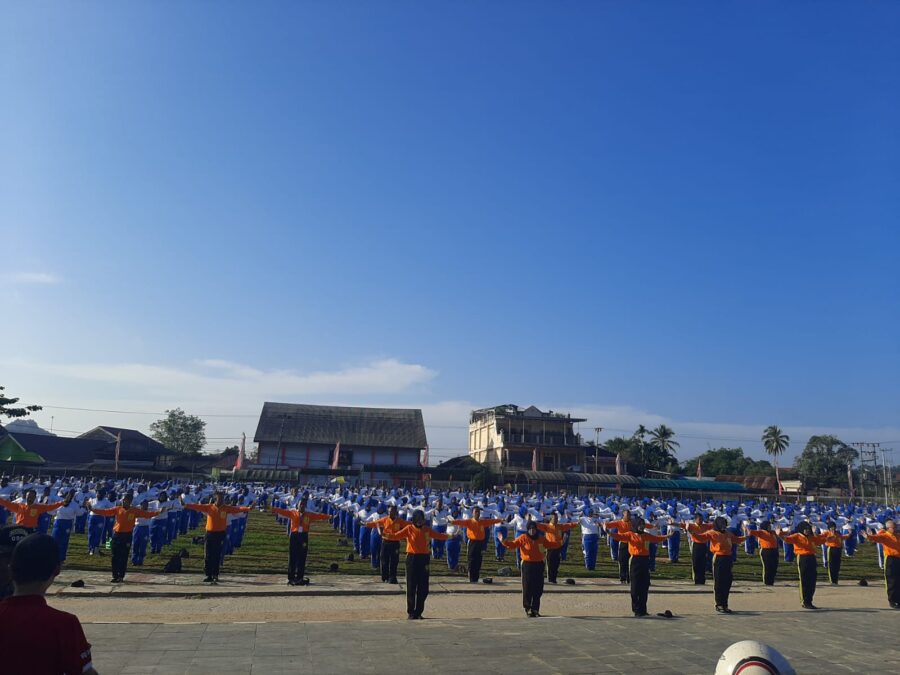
{"x":265,"y":551}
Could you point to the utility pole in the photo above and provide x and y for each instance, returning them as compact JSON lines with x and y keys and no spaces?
{"x":597,"y":431}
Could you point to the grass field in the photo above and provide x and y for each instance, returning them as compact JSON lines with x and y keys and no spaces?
{"x":265,"y":552}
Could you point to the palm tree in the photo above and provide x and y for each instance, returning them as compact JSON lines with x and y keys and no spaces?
{"x":775,"y":444}
{"x":662,"y":441}
{"x":639,"y":434}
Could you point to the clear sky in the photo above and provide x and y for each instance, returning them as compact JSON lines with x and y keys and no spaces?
{"x":640,"y":212}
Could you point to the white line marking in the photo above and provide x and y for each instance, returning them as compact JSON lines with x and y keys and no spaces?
{"x":112,"y":622}
{"x":250,"y":622}
{"x":181,"y":623}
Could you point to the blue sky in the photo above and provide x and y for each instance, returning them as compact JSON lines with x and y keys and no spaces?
{"x":679,"y":212}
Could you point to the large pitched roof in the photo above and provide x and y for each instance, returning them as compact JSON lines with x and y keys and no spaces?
{"x":60,"y":450}
{"x":369,"y":427}
{"x":130,"y":437}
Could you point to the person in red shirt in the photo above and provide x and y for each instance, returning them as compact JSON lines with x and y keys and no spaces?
{"x":216,"y":524}
{"x":639,"y":560}
{"x":805,"y":543}
{"x":36,"y":638}
{"x":418,"y":557}
{"x":529,"y":546}
{"x":298,"y":543}
{"x":27,"y":514}
{"x":123,"y":530}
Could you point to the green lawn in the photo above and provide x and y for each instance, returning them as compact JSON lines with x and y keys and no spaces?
{"x":265,"y":552}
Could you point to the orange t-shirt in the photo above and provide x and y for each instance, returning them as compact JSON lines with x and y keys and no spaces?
{"x":300,"y":522}
{"x":804,"y":545}
{"x":767,"y":540}
{"x":696,"y":530}
{"x":638,"y":542}
{"x":475,"y":528}
{"x":389,"y":527}
{"x":417,"y":538}
{"x":125,"y":517}
{"x":890,"y":542}
{"x":27,"y":514}
{"x":835,"y":539}
{"x":529,"y":548}
{"x":554,"y":535}
{"x":720,"y":543}
{"x":216,"y":516}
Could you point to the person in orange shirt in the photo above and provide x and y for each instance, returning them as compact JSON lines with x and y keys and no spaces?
{"x":890,"y":542}
{"x":123,"y":528}
{"x":639,"y":554}
{"x":298,"y":542}
{"x":553,"y":542}
{"x":721,"y":541}
{"x":27,"y":514}
{"x":768,"y":550}
{"x":622,"y":525}
{"x":418,"y":557}
{"x":216,"y":524}
{"x":805,"y":543}
{"x":477,"y":539}
{"x":532,"y":571}
{"x":389,"y":526}
{"x":699,"y":547}
{"x":834,"y":551}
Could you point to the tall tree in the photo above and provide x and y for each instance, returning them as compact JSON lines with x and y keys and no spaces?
{"x":180,"y":432}
{"x":661,"y":452}
{"x":775,"y":443}
{"x":730,"y":461}
{"x":640,"y":433}
{"x":824,"y":460}
{"x":7,"y":409}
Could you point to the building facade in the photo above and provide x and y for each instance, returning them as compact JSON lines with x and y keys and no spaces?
{"x":507,"y":436}
{"x":380,"y":442}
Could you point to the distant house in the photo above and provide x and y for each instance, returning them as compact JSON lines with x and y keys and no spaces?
{"x":137,"y":450}
{"x":52,"y":452}
{"x":382,"y":443}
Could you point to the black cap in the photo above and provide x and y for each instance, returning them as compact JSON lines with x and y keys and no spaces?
{"x":10,"y":536}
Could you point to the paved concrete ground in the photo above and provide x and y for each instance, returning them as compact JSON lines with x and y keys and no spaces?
{"x":836,"y":641}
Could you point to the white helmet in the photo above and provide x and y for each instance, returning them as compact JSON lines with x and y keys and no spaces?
{"x":750,"y":657}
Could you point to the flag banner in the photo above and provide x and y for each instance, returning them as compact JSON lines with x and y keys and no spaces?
{"x":534,"y":460}
{"x":699,"y":469}
{"x":240,"y":458}
{"x":618,"y":464}
{"x":337,"y":456}
{"x":850,"y":480}
{"x":118,"y":448}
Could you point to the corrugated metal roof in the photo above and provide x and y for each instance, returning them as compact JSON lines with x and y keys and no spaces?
{"x":572,"y":478}
{"x":367,"y":427}
{"x":60,"y":450}
{"x":690,"y":485}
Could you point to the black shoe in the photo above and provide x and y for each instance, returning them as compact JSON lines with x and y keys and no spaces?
{"x":394,"y":581}
{"x":208,"y":580}
{"x":115,"y":580}
{"x":809,"y":606}
{"x":418,"y":617}
{"x":410,"y":617}
{"x":528,"y":613}
{"x":895,"y":605}
{"x":726,"y":610}
{"x":291,"y":582}
{"x":639,"y":615}
{"x":720,"y":609}
{"x":551,"y":581}
{"x":535,"y":614}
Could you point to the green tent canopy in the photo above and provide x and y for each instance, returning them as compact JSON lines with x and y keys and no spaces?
{"x":12,"y":452}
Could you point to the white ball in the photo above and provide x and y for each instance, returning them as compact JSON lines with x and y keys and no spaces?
{"x":750,"y":657}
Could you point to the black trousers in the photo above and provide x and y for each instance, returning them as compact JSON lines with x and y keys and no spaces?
{"x":121,"y":547}
{"x":834,"y":562}
{"x":298,"y":546}
{"x":390,"y":558}
{"x":554,"y":557}
{"x":623,"y":558}
{"x":698,"y":562}
{"x":892,"y":579}
{"x":476,"y":550}
{"x":723,"y":567}
{"x":807,"y":567}
{"x":640,"y":582}
{"x":769,"y":558}
{"x":532,"y":585}
{"x":417,"y":572}
{"x":213,"y":553}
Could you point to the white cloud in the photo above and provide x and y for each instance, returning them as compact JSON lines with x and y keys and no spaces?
{"x":31,"y":279}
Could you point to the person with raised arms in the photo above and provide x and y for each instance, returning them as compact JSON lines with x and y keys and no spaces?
{"x":721,"y":542}
{"x":418,"y":556}
{"x":216,"y":524}
{"x":389,"y":526}
{"x":532,"y":572}
{"x":554,"y":532}
{"x":699,"y":547}
{"x":475,"y":530}
{"x":28,"y":512}
{"x":805,"y":543}
{"x":638,"y":543}
{"x":298,"y":544}
{"x":768,"y":550}
{"x":890,"y":543}
{"x":834,"y":551}
{"x":123,"y":529}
